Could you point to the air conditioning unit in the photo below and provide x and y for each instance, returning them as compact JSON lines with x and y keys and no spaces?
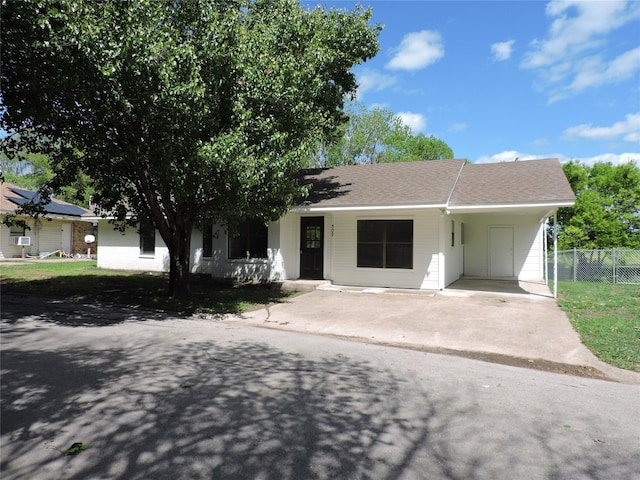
{"x":22,"y":241}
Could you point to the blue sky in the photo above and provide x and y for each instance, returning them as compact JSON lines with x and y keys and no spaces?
{"x":511,"y":79}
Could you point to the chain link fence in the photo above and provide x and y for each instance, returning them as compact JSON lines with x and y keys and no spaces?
{"x":602,"y":266}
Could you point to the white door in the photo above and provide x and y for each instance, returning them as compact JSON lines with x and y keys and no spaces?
{"x":65,"y":239}
{"x":500,"y":252}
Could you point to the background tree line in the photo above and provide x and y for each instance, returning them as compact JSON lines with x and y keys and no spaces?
{"x":607,"y":209}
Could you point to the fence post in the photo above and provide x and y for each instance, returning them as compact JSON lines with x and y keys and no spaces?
{"x":614,"y":270}
{"x":575,"y":264}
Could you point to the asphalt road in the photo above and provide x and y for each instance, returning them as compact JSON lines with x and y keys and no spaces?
{"x":200,"y":399}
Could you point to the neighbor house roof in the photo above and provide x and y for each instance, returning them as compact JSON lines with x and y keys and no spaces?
{"x":13,"y":196}
{"x":437,"y":183}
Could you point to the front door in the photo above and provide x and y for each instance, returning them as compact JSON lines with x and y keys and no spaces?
{"x":311,"y":247}
{"x":500,"y":252}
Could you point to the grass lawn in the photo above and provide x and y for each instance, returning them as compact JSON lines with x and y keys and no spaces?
{"x":82,"y":280}
{"x":607,"y":317}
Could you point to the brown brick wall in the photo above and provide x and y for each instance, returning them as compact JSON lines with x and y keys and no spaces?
{"x":79,"y":230}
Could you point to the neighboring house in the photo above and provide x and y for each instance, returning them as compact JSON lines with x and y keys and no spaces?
{"x":61,"y":228}
{"x":408,"y":225}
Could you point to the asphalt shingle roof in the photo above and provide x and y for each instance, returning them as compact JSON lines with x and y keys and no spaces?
{"x":528,"y":181}
{"x":438,"y":182}
{"x":412,"y":183}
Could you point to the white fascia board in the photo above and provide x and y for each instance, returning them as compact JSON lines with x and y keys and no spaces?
{"x":363,"y":208}
{"x":509,"y":206}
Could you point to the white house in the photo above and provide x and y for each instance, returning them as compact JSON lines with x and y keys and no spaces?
{"x":416,"y":225}
{"x":61,"y":228}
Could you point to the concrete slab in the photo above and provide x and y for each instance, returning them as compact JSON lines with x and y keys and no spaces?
{"x":509,"y":319}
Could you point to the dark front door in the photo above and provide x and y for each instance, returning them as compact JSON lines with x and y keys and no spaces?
{"x":311,"y":247}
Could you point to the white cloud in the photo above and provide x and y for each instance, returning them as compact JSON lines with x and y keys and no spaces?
{"x":627,"y":129}
{"x":502,"y":50}
{"x":415,"y":121}
{"x":372,"y":80}
{"x":593,"y":72}
{"x":613,"y":158}
{"x":565,"y":60}
{"x":507,"y":156}
{"x":417,"y":50}
{"x":512,"y":155}
{"x":458,"y":127}
{"x":569,"y":35}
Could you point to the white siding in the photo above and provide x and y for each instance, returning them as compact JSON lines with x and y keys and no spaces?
{"x":256,"y":269}
{"x":453,"y":254}
{"x":528,"y":248}
{"x":46,"y":236}
{"x":533,"y":267}
{"x":340,"y":250}
{"x":120,"y":251}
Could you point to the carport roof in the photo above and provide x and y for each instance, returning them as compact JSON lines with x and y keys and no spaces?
{"x":437,"y":183}
{"x":520,"y":182}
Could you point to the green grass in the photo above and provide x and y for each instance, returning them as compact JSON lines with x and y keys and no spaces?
{"x":607,"y":317}
{"x":82,"y":280}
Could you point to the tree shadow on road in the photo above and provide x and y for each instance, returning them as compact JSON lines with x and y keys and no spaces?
{"x":240,"y":409}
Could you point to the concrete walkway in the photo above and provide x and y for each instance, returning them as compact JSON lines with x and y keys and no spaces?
{"x":508,"y":322}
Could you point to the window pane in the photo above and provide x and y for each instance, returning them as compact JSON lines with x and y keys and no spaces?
{"x":400,"y":231}
{"x":370,"y":255}
{"x":370,"y":230}
{"x":16,"y":230}
{"x":147,"y":239}
{"x":312,"y":236}
{"x":251,"y":242}
{"x":385,"y":243}
{"x":399,"y":256}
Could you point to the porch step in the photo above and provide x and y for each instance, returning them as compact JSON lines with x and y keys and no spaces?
{"x":303,"y":285}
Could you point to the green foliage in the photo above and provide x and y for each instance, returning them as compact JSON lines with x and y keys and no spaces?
{"x":181,"y":113}
{"x":377,"y":135}
{"x":32,"y":172}
{"x":77,"y":448}
{"x":607,"y":209}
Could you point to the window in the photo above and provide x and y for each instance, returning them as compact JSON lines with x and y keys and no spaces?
{"x":251,"y":241}
{"x":453,"y":233}
{"x":385,"y":243}
{"x":207,"y":241}
{"x":147,"y":239}
{"x":17,"y":230}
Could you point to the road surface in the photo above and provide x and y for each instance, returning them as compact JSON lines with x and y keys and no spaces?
{"x":201,"y":399}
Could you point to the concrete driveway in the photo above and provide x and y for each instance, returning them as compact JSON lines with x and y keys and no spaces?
{"x":515,"y":323}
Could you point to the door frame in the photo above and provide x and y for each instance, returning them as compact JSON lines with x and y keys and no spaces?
{"x":311,"y":219}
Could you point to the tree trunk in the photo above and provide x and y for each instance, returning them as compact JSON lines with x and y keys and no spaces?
{"x":179,"y":253}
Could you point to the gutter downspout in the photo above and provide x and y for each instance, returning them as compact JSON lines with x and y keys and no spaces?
{"x":555,"y":254}
{"x":545,"y":244}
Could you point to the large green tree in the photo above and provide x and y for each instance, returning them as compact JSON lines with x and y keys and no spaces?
{"x":181,"y":112}
{"x":377,"y":135}
{"x":607,"y":209}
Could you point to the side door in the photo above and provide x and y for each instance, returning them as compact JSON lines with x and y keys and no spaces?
{"x":501,"y":252}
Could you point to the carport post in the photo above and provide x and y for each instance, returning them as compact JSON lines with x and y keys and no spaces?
{"x":555,"y":254}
